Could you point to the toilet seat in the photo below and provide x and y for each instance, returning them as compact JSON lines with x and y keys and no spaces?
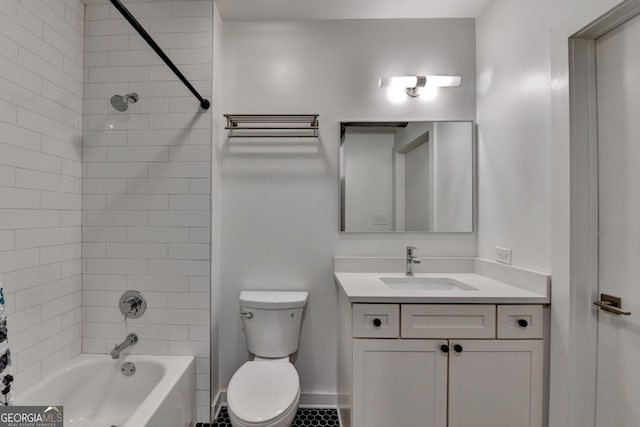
{"x":262,"y":392}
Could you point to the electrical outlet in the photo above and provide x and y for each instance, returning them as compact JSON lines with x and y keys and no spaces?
{"x":503,"y":255}
{"x":380,"y":219}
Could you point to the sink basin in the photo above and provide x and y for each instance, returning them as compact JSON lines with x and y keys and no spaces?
{"x":425,"y":284}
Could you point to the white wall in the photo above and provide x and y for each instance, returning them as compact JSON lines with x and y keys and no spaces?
{"x":146,"y":186}
{"x":524,"y":198}
{"x":368,"y":178}
{"x":280,"y":201}
{"x":40,"y":168}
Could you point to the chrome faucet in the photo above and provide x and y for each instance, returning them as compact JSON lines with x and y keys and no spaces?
{"x":411,"y":259}
{"x":130,"y":340}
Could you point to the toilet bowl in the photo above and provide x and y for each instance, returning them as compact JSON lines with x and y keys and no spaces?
{"x":265,"y":391}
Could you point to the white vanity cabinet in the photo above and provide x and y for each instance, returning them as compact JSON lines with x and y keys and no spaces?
{"x":441,"y":365}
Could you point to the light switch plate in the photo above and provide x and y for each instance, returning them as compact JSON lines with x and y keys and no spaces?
{"x":503,"y":255}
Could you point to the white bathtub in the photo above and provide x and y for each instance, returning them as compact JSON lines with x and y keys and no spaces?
{"x":95,"y":393}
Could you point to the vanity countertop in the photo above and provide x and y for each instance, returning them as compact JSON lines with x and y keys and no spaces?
{"x":368,"y":287}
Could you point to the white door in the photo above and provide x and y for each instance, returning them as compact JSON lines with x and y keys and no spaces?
{"x":496,"y":383}
{"x":399,"y":383}
{"x":618,"y":91}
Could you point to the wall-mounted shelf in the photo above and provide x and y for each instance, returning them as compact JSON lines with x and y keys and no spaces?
{"x":272,"y":125}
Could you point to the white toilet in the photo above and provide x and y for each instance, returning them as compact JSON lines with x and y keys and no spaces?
{"x":265,"y":392}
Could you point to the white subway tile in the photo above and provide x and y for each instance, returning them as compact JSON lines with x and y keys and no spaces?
{"x":115,"y":217}
{"x":19,"y":198}
{"x":193,"y":72}
{"x":71,"y":318}
{"x":118,"y":74}
{"x":58,"y":306}
{"x":190,"y":153}
{"x":71,"y":218}
{"x":158,"y":137}
{"x":36,"y":295}
{"x":18,"y":260}
{"x":180,"y":170}
{"x":53,"y":200}
{"x":159,"y":332}
{"x":28,"y":159}
{"x":104,"y":44}
{"x":189,"y":202}
{"x":103,"y":90}
{"x":94,"y":154}
{"x":134,"y":57}
{"x":179,"y":267}
{"x":70,"y":150}
{"x":200,"y":137}
{"x":138,"y":154}
{"x":192,"y":8}
{"x":199,"y":333}
{"x":47,"y":126}
{"x":6,"y":240}
{"x":192,"y":56}
{"x":191,"y":348}
{"x":19,"y":137}
{"x":200,"y":284}
{"x":180,"y":24}
{"x":96,"y":325}
{"x":60,"y":96}
{"x":157,"y":186}
{"x":103,"y":234}
{"x":158,"y":283}
{"x":193,"y":251}
{"x":46,"y":237}
{"x":137,"y":202}
{"x":95,"y":12}
{"x":116,"y":170}
{"x":72,"y":268}
{"x":200,"y":234}
{"x":60,"y":253}
{"x":104,"y":282}
{"x":166,"y":41}
{"x":94,"y":250}
{"x":116,"y":266}
{"x":93,"y":345}
{"x":200,"y":186}
{"x":24,"y":319}
{"x":116,"y":122}
{"x":7,"y":177}
{"x":94,"y":201}
{"x":96,"y":59}
{"x":100,"y":138}
{"x":179,"y":219}
{"x":178,"y":316}
{"x":137,"y":250}
{"x":28,"y":218}
{"x":47,"y":181}
{"x":147,"y":10}
{"x":189,"y":300}
{"x":112,"y":27}
{"x":158,"y":234}
{"x":12,"y":29}
{"x":179,"y":121}
{"x":9,"y":49}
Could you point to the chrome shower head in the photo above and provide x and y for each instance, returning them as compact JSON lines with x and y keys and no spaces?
{"x":121,"y":103}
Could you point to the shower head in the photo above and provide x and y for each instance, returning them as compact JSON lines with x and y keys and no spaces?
{"x":121,"y":103}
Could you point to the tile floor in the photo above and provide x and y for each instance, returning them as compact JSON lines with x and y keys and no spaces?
{"x":306,"y":417}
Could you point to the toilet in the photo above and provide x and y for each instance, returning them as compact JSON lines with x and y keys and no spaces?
{"x":265,"y":391}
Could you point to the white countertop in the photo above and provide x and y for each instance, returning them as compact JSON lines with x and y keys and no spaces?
{"x":367,"y":287}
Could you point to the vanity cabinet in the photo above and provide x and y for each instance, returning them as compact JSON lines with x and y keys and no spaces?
{"x":442,"y":365}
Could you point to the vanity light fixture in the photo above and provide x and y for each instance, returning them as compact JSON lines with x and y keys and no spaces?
{"x":413,"y":85}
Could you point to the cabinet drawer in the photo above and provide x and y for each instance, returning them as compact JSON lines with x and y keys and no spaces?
{"x":448,"y":321}
{"x":520,"y":321}
{"x":376,"y":320}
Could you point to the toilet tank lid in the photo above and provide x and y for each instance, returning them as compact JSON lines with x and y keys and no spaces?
{"x":273,"y":299}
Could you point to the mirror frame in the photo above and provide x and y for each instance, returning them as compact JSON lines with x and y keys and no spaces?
{"x":474,"y":177}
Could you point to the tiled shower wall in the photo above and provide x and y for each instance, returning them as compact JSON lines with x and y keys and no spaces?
{"x":146,"y":183}
{"x":40,"y":168}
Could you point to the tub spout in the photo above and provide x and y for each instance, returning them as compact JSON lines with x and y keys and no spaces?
{"x":130,"y":340}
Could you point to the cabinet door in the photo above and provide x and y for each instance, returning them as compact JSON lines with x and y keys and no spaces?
{"x":495,"y":383}
{"x":399,"y":383}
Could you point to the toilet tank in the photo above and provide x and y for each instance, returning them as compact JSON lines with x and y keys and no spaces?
{"x":272,"y":321}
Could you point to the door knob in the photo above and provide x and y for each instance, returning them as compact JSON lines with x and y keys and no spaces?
{"x":523,"y":323}
{"x":612,"y":304}
{"x":377,"y":322}
{"x":458,"y":348}
{"x":444,"y":348}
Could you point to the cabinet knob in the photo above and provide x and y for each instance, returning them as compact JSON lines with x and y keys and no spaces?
{"x":458,"y":348}
{"x":444,"y":348}
{"x":523,"y":323}
{"x":377,"y":322}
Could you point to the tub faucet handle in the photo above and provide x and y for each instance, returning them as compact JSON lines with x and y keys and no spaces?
{"x":132,"y":305}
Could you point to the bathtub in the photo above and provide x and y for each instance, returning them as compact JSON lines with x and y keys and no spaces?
{"x":95,"y":393}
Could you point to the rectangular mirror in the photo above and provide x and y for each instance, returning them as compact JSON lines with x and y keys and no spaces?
{"x":406,"y":177}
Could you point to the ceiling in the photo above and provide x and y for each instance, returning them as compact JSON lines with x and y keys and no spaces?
{"x":259,"y":10}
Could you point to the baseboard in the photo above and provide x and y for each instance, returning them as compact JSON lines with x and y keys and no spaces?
{"x":217,"y":403}
{"x":307,"y":400}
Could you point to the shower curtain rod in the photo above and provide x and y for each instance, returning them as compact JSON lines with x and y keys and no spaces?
{"x":205,"y":104}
